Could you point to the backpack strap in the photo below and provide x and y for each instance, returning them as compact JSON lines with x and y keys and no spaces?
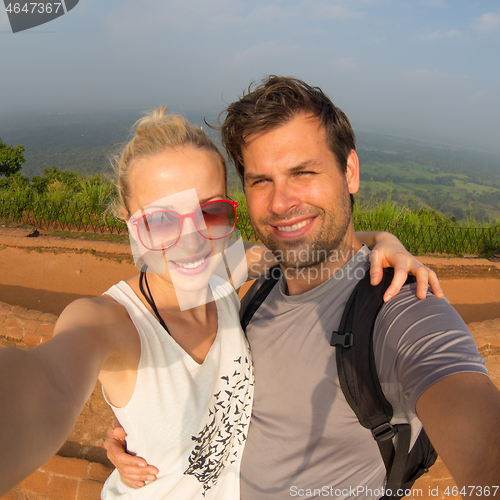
{"x":359,"y":379}
{"x":256,"y":301}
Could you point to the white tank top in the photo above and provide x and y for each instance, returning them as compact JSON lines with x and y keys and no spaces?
{"x":190,"y":420}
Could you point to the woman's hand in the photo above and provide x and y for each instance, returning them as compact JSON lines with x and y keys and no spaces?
{"x":133,"y":470}
{"x":388,"y":251}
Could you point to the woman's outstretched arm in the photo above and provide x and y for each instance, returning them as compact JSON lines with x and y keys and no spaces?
{"x":44,"y":389}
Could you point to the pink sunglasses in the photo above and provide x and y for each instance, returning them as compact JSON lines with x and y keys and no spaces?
{"x":162,"y":229}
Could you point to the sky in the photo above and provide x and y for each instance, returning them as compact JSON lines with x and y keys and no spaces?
{"x":423,"y":69}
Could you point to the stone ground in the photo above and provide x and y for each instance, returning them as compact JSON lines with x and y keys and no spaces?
{"x":40,"y":276}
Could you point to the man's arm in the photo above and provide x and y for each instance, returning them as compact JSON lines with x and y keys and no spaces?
{"x":428,"y":352}
{"x":461,"y":415}
{"x":42,"y":391}
{"x":387,"y":251}
{"x":133,"y":470}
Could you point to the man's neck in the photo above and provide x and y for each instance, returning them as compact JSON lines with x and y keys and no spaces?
{"x":301,"y":280}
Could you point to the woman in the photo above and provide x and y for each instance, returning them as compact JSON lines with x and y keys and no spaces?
{"x":166,"y":345}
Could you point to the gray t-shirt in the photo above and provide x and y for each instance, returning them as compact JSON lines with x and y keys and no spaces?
{"x":304,"y":440}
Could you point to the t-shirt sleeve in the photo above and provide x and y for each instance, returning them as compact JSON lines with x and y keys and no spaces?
{"x":418,"y":342}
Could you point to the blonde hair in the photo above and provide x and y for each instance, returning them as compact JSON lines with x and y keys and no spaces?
{"x":156,"y":132}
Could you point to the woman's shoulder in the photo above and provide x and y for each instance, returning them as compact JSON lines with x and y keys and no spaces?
{"x":94,"y":308}
{"x":94,"y":314}
{"x":104,"y":322}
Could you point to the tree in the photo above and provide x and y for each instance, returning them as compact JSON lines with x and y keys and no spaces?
{"x":11,"y":159}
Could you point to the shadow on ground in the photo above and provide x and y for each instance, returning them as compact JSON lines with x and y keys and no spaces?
{"x":471,"y":313}
{"x":40,"y":300}
{"x":55,"y":302}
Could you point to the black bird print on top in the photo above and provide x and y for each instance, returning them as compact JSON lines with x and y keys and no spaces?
{"x":217,"y":443}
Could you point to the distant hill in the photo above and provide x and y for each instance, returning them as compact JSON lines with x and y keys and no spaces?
{"x":456,"y":182}
{"x":80,"y":142}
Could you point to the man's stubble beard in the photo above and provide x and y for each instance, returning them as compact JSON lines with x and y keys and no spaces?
{"x":329,"y":242}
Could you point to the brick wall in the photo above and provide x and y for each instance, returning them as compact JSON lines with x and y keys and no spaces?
{"x":62,"y":478}
{"x":25,"y":325}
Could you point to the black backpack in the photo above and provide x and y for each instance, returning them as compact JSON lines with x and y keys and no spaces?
{"x":360,"y":384}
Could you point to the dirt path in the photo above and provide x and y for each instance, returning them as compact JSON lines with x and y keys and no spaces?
{"x":49,"y":281}
{"x":474,"y":299}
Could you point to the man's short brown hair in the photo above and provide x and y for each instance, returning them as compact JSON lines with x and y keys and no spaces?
{"x":275,"y":101}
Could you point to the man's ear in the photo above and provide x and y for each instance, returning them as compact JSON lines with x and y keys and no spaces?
{"x":352,"y":172}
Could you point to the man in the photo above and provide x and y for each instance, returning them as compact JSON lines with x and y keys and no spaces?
{"x":295,"y":153}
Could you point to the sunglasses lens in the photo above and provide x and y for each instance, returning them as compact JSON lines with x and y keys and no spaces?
{"x":159,"y":230}
{"x":216,"y":220}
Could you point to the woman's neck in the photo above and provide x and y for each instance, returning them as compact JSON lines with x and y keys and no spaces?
{"x":172,"y":300}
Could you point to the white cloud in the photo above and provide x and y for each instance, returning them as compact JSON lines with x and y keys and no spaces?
{"x":487,"y":22}
{"x":329,"y":10}
{"x":149,"y":16}
{"x":438,"y":34}
{"x":266,"y":50}
{"x":479,"y":96}
{"x":376,"y":41}
{"x":424,"y":76}
{"x":345,"y":64}
{"x":307,"y":9}
{"x":270,"y":12}
{"x":434,"y":3}
{"x":375,"y":2}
